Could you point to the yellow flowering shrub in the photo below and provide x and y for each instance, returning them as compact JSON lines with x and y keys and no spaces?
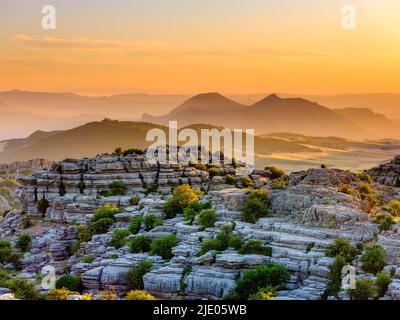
{"x":139,"y":295}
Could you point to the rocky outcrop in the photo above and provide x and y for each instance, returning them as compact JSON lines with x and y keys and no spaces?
{"x":388,"y":173}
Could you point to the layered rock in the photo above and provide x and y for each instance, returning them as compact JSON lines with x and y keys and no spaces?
{"x":388,"y":173}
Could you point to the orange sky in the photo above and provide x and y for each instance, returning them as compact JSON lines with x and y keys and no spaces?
{"x":235,"y":46}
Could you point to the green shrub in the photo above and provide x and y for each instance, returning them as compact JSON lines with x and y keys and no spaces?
{"x":135,"y":275}
{"x":341,"y":247}
{"x":134,"y":200}
{"x":207,"y":218}
{"x":394,"y":207}
{"x":117,"y":188}
{"x":139,"y":244}
{"x":373,"y":259}
{"x":364,"y":290}
{"x":101,"y":226}
{"x":151,"y":221}
{"x":363,"y":176}
{"x":119,"y":238}
{"x":87,"y":259}
{"x":193,"y":209}
{"x":230,"y":179}
{"x":24,"y":242}
{"x":132,"y":151}
{"x":382,"y":282}
{"x":235,"y":242}
{"x":23,"y":289}
{"x":135,"y":224}
{"x":42,"y":205}
{"x":182,"y":196}
{"x":246,"y":182}
{"x":163,"y":246}
{"x":5,"y":251}
{"x":15,"y":260}
{"x":275,"y":172}
{"x":84,"y":234}
{"x":105,"y":193}
{"x":335,"y":277}
{"x":385,"y":221}
{"x":214,"y":172}
{"x":279,"y":184}
{"x":255,"y":247}
{"x":150,"y":188}
{"x":69,"y":282}
{"x":254,"y":209}
{"x":107,"y":211}
{"x":253,"y":281}
{"x":201,"y":166}
{"x":224,"y":239}
{"x":324,"y":166}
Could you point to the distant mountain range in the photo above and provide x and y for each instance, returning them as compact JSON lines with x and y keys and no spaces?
{"x":276,"y":114}
{"x":24,"y":112}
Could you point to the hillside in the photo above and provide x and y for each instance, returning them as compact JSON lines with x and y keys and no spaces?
{"x":271,"y":114}
{"x":101,"y":137}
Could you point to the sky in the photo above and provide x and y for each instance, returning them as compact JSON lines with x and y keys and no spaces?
{"x":192,"y":46}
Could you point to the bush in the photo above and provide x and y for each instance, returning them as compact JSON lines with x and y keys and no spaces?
{"x":246,"y":182}
{"x":344,"y":188}
{"x":132,"y":151}
{"x":255,"y":247}
{"x":213,"y":172}
{"x":200,"y":166}
{"x":151,"y":221}
{"x":252,"y":281}
{"x":24,"y":242}
{"x":341,"y":247}
{"x":101,"y":226}
{"x":385,"y":221}
{"x":363,"y":176}
{"x":394,"y":207}
{"x":382,"y":282}
{"x":117,"y":188}
{"x":374,"y":259}
{"x":119,"y":238}
{"x":207,"y":218}
{"x":324,"y":166}
{"x":69,"y":282}
{"x":87,"y":259}
{"x":135,"y":224}
{"x":182,"y":196}
{"x":42,"y":205}
{"x":23,"y":289}
{"x":60,"y":294}
{"x":84,"y":233}
{"x":365,"y":190}
{"x":230,"y":179}
{"x":107,"y":211}
{"x":5,"y":251}
{"x":335,"y":276}
{"x":254,"y":209}
{"x":235,"y":242}
{"x":163,"y":246}
{"x":134,"y":200}
{"x":365,"y":289}
{"x":139,"y":295}
{"x":135,"y":275}
{"x":139,"y":244}
{"x":279,"y":184}
{"x":192,"y":210}
{"x":224,"y":239}
{"x":275,"y":172}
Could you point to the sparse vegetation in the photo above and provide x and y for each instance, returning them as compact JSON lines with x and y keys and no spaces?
{"x":207,"y":218}
{"x":222,"y":241}
{"x":255,"y":247}
{"x":345,"y":188}
{"x":275,"y":172}
{"x":135,"y":224}
{"x":365,"y":289}
{"x":42,"y":205}
{"x":341,"y":247}
{"x":24,"y":242}
{"x":107,"y":211}
{"x":230,"y":179}
{"x":255,"y":206}
{"x":279,"y":184}
{"x":214,"y":172}
{"x":135,"y":275}
{"x":382,"y":282}
{"x":117,"y":188}
{"x":119,"y":238}
{"x":162,"y":246}
{"x":134,"y":200}
{"x":151,"y":221}
{"x":373,"y":259}
{"x":139,"y":244}
{"x":182,"y":196}
{"x":363,"y":176}
{"x":69,"y":282}
{"x":385,"y":221}
{"x":201,"y":166}
{"x":139,"y":295}
{"x":193,"y":209}
{"x":246,"y":182}
{"x":394,"y":208}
